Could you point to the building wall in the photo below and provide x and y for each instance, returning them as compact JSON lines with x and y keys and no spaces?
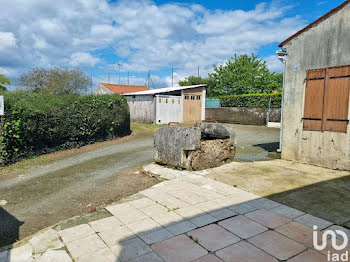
{"x":101,"y":90}
{"x":324,"y":45}
{"x":242,"y":115}
{"x":142,"y":108}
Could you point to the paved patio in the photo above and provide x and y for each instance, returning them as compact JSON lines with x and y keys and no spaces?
{"x":181,"y":220}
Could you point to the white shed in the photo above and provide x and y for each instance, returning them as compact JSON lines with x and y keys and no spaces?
{"x":165,"y":105}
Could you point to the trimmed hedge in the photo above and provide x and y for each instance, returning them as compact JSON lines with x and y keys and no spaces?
{"x":252,"y":100}
{"x":40,"y":123}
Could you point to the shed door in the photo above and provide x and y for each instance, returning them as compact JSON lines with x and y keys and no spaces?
{"x":168,"y":109}
{"x":192,"y":107}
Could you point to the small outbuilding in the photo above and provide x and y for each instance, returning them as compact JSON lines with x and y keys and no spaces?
{"x":165,"y":105}
{"x":111,"y":89}
{"x":316,"y":113}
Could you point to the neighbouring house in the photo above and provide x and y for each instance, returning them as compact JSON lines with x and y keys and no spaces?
{"x":165,"y":105}
{"x":316,"y":113}
{"x":110,"y":89}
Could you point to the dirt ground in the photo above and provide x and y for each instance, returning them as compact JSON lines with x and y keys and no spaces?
{"x":72,"y":182}
{"x":319,"y":191}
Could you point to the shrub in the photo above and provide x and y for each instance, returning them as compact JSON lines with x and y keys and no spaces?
{"x":252,"y":100}
{"x":40,"y":123}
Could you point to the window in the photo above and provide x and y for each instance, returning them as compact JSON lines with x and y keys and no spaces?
{"x":198,"y":97}
{"x":327,"y":99}
{"x":192,"y":97}
{"x":173,"y":100}
{"x":186,"y":97}
{"x":166,"y":100}
{"x":160,"y":100}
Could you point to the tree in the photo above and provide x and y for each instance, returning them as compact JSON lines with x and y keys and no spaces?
{"x":193,"y":80}
{"x":56,"y":81}
{"x":4,"y":81}
{"x":243,"y":75}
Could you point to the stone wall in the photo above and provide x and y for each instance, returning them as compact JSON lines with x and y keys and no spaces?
{"x":324,"y":45}
{"x":242,"y":115}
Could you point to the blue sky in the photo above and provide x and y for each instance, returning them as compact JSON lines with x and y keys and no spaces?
{"x":142,"y":35}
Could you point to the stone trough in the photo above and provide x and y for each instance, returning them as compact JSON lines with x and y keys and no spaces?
{"x":202,"y":146}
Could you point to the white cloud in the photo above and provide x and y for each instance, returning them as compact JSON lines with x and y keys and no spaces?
{"x":144,"y":35}
{"x":274,"y":63}
{"x":83,"y":60}
{"x":7,"y":41}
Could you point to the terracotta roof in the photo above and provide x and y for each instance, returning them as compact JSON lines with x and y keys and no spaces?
{"x":122,"y":89}
{"x":315,"y":22}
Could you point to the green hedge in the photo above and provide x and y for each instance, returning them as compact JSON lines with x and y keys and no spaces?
{"x":35,"y":123}
{"x":252,"y":100}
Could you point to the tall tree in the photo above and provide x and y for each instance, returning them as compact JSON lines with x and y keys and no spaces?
{"x":56,"y":81}
{"x":193,"y":80}
{"x":243,"y":74}
{"x":4,"y":81}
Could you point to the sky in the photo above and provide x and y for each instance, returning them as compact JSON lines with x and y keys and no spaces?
{"x":141,"y":35}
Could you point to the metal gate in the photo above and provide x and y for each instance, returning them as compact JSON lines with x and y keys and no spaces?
{"x":168,"y":109}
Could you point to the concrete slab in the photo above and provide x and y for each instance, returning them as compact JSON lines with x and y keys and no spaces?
{"x":167,"y":219}
{"x":263,"y":203}
{"x":338,"y":236}
{"x":154,"y":210}
{"x":203,"y":220}
{"x":126,"y":213}
{"x":179,"y":248}
{"x":144,"y":226}
{"x":189,"y":212}
{"x":310,"y":221}
{"x":102,"y":255}
{"x":287,"y":211}
{"x":46,"y":240}
{"x":309,"y":256}
{"x":242,"y":208}
{"x":182,"y":227}
{"x":77,"y":232}
{"x":19,"y":254}
{"x":150,"y":257}
{"x":108,"y":223}
{"x":277,"y":245}
{"x":84,"y":246}
{"x":299,"y":232}
{"x":142,"y":202}
{"x":54,"y":256}
{"x":243,"y":251}
{"x":117,"y":235}
{"x":223,"y":213}
{"x":130,"y":249}
{"x":243,"y":226}
{"x":156,"y":236}
{"x":268,"y":218}
{"x":213,"y":237}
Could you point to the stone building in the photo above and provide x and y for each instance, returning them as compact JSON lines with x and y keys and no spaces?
{"x":315,"y":125}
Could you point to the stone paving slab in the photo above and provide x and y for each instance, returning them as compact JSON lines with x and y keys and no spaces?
{"x":213,"y":237}
{"x":309,"y":256}
{"x":244,"y":251}
{"x":224,"y":222}
{"x":287,"y":211}
{"x":268,"y":218}
{"x":310,"y":221}
{"x":243,"y":226}
{"x":299,"y":232}
{"x":179,"y":248}
{"x":277,"y":245}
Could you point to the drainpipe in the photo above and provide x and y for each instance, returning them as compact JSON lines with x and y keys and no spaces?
{"x":281,"y":53}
